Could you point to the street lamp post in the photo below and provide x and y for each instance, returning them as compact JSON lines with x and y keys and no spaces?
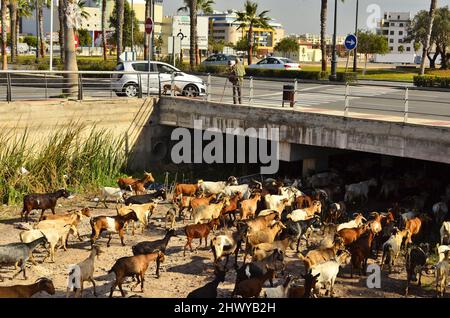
{"x":51,"y":35}
{"x":37,"y":31}
{"x":333,"y":75}
{"x":355,"y":51}
{"x":152,"y":36}
{"x":132,"y":29}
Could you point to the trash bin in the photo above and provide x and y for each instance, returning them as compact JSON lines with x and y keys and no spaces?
{"x":289,"y":94}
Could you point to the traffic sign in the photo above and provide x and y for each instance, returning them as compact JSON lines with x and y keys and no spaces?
{"x":76,"y":41}
{"x":351,"y":41}
{"x":148,"y":25}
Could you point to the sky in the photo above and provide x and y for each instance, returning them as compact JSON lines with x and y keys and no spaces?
{"x":303,"y":16}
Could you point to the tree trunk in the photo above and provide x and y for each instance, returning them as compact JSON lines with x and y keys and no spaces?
{"x":148,"y":14}
{"x":251,"y":43}
{"x":17,"y":34}
{"x":70,"y":57}
{"x":444,"y":58}
{"x":193,"y":33}
{"x":61,"y":29}
{"x":41,"y":31}
{"x":4,"y":35}
{"x":13,"y":27}
{"x":323,"y":32}
{"x":120,"y":6}
{"x":433,"y":58}
{"x":104,"y":29}
{"x":426,"y":45}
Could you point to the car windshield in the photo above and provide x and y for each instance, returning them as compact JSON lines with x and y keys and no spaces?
{"x":284,"y":60}
{"x":166,"y":69}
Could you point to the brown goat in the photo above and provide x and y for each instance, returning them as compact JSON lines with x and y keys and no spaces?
{"x":413,"y":225}
{"x":137,"y":185}
{"x":111,"y":224}
{"x":360,"y":251}
{"x":304,"y":291}
{"x":249,"y":206}
{"x":200,"y":231}
{"x":320,"y":255}
{"x":303,"y":201}
{"x":26,"y":291}
{"x":233,"y":206}
{"x":252,"y":287}
{"x":352,"y":234}
{"x":185,"y":189}
{"x":68,"y":217}
{"x":134,"y":266}
{"x":261,"y":222}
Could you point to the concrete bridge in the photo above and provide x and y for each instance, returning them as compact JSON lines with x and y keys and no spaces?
{"x":308,"y":136}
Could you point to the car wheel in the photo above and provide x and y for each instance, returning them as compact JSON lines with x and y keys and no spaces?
{"x":190,"y":91}
{"x":130,"y":90}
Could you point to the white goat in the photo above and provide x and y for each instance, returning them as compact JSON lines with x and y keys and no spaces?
{"x":110,"y":193}
{"x":280,"y":291}
{"x":442,"y":275}
{"x":356,"y":222}
{"x":441,"y":249}
{"x":51,"y":235}
{"x":359,"y":190}
{"x":445,"y":232}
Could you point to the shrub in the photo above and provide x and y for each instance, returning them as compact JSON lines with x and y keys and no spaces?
{"x":308,"y":75}
{"x":424,"y":80}
{"x":443,"y":82}
{"x":349,"y":77}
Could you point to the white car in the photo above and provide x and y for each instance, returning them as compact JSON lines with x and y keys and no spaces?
{"x":277,"y":63}
{"x":128,"y":84}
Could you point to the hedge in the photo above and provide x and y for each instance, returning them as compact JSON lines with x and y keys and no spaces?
{"x":432,"y":81}
{"x":349,"y":77}
{"x":308,"y":75}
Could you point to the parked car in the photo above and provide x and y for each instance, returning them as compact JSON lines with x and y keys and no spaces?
{"x":219,"y":59}
{"x":128,"y":84}
{"x":280,"y":63}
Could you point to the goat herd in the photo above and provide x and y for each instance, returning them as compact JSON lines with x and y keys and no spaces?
{"x":259,"y":221}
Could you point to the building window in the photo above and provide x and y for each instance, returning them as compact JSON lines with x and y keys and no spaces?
{"x":392,"y":24}
{"x":385,"y":16}
{"x":391,"y":48}
{"x":391,"y":33}
{"x":401,"y":24}
{"x":391,"y":40}
{"x":398,"y":17}
{"x":400,"y":40}
{"x":408,"y":49}
{"x":400,"y":32}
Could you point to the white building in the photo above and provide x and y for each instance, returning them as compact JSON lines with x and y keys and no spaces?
{"x":394,"y":26}
{"x":314,"y":39}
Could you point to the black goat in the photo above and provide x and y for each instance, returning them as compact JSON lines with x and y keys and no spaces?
{"x":41,"y":201}
{"x":299,"y":230}
{"x":148,"y":247}
{"x":19,"y":253}
{"x":210,"y":289}
{"x":416,"y":259}
{"x":249,"y":270}
{"x":146,"y":198}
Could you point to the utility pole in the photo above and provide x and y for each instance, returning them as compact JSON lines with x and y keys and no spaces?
{"x":37,"y":31}
{"x":333,"y":75}
{"x":152,"y":36}
{"x":51,"y":35}
{"x":132,"y":29}
{"x":355,"y":51}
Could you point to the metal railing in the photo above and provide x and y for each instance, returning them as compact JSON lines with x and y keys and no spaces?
{"x":344,"y":100}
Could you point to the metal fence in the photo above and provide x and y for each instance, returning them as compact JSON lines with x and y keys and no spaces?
{"x":345,"y":100}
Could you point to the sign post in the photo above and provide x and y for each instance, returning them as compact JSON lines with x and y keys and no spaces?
{"x":148,"y":31}
{"x":350,"y":44}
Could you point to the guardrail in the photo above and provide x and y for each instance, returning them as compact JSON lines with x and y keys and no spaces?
{"x":347,"y":99}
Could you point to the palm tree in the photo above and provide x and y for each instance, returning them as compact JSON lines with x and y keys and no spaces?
{"x":120,"y":5}
{"x":204,"y":6}
{"x":41,"y":4}
{"x":24,"y":10}
{"x":13,"y":27}
{"x":71,"y":22}
{"x":61,"y":29}
{"x":250,"y":19}
{"x":4,"y":35}
{"x":323,"y":33}
{"x":428,"y":39}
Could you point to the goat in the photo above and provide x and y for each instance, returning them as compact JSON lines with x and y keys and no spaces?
{"x":416,"y":259}
{"x":442,"y":275}
{"x":171,"y":216}
{"x":146,"y":198}
{"x":306,"y":213}
{"x":115,"y":194}
{"x":391,"y":248}
{"x":275,"y":203}
{"x":27,"y":291}
{"x":210,"y":289}
{"x":134,"y":266}
{"x":441,"y":249}
{"x":262,"y":222}
{"x":13,"y":253}
{"x":249,"y":206}
{"x":185,"y":190}
{"x":147,"y":247}
{"x":305,"y":290}
{"x":227,"y":244}
{"x":263,"y":236}
{"x":110,"y":224}
{"x":335,"y":212}
{"x":440,"y":210}
{"x":276,"y":249}
{"x":280,"y":291}
{"x":199,"y":231}
{"x":249,"y":270}
{"x":359,"y":190}
{"x":413,"y":226}
{"x":137,"y":185}
{"x":41,"y":201}
{"x":302,"y":229}
{"x":321,"y":255}
{"x":445,"y":233}
{"x":360,"y":252}
{"x":51,"y":235}
{"x":84,"y":271}
{"x":209,"y":187}
{"x":357,"y":221}
{"x":232,"y":190}
{"x":73,"y":218}
{"x":232,"y":207}
{"x":252,"y":287}
{"x":350,"y":235}
{"x":207,"y":212}
{"x":328,"y":272}
{"x":143,"y":213}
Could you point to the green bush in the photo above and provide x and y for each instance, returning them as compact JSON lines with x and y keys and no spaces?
{"x":442,"y":81}
{"x":308,"y":75}
{"x":424,"y":80}
{"x":349,"y":77}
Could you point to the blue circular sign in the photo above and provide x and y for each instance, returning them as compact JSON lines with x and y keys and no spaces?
{"x":351,"y":41}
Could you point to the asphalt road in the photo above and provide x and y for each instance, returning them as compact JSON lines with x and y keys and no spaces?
{"x":367,"y":98}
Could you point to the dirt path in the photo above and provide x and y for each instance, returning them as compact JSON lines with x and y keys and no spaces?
{"x":179,"y":275}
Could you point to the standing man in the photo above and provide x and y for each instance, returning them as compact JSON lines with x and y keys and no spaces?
{"x":236,"y":78}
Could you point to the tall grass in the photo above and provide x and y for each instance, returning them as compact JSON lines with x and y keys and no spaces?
{"x":75,"y":157}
